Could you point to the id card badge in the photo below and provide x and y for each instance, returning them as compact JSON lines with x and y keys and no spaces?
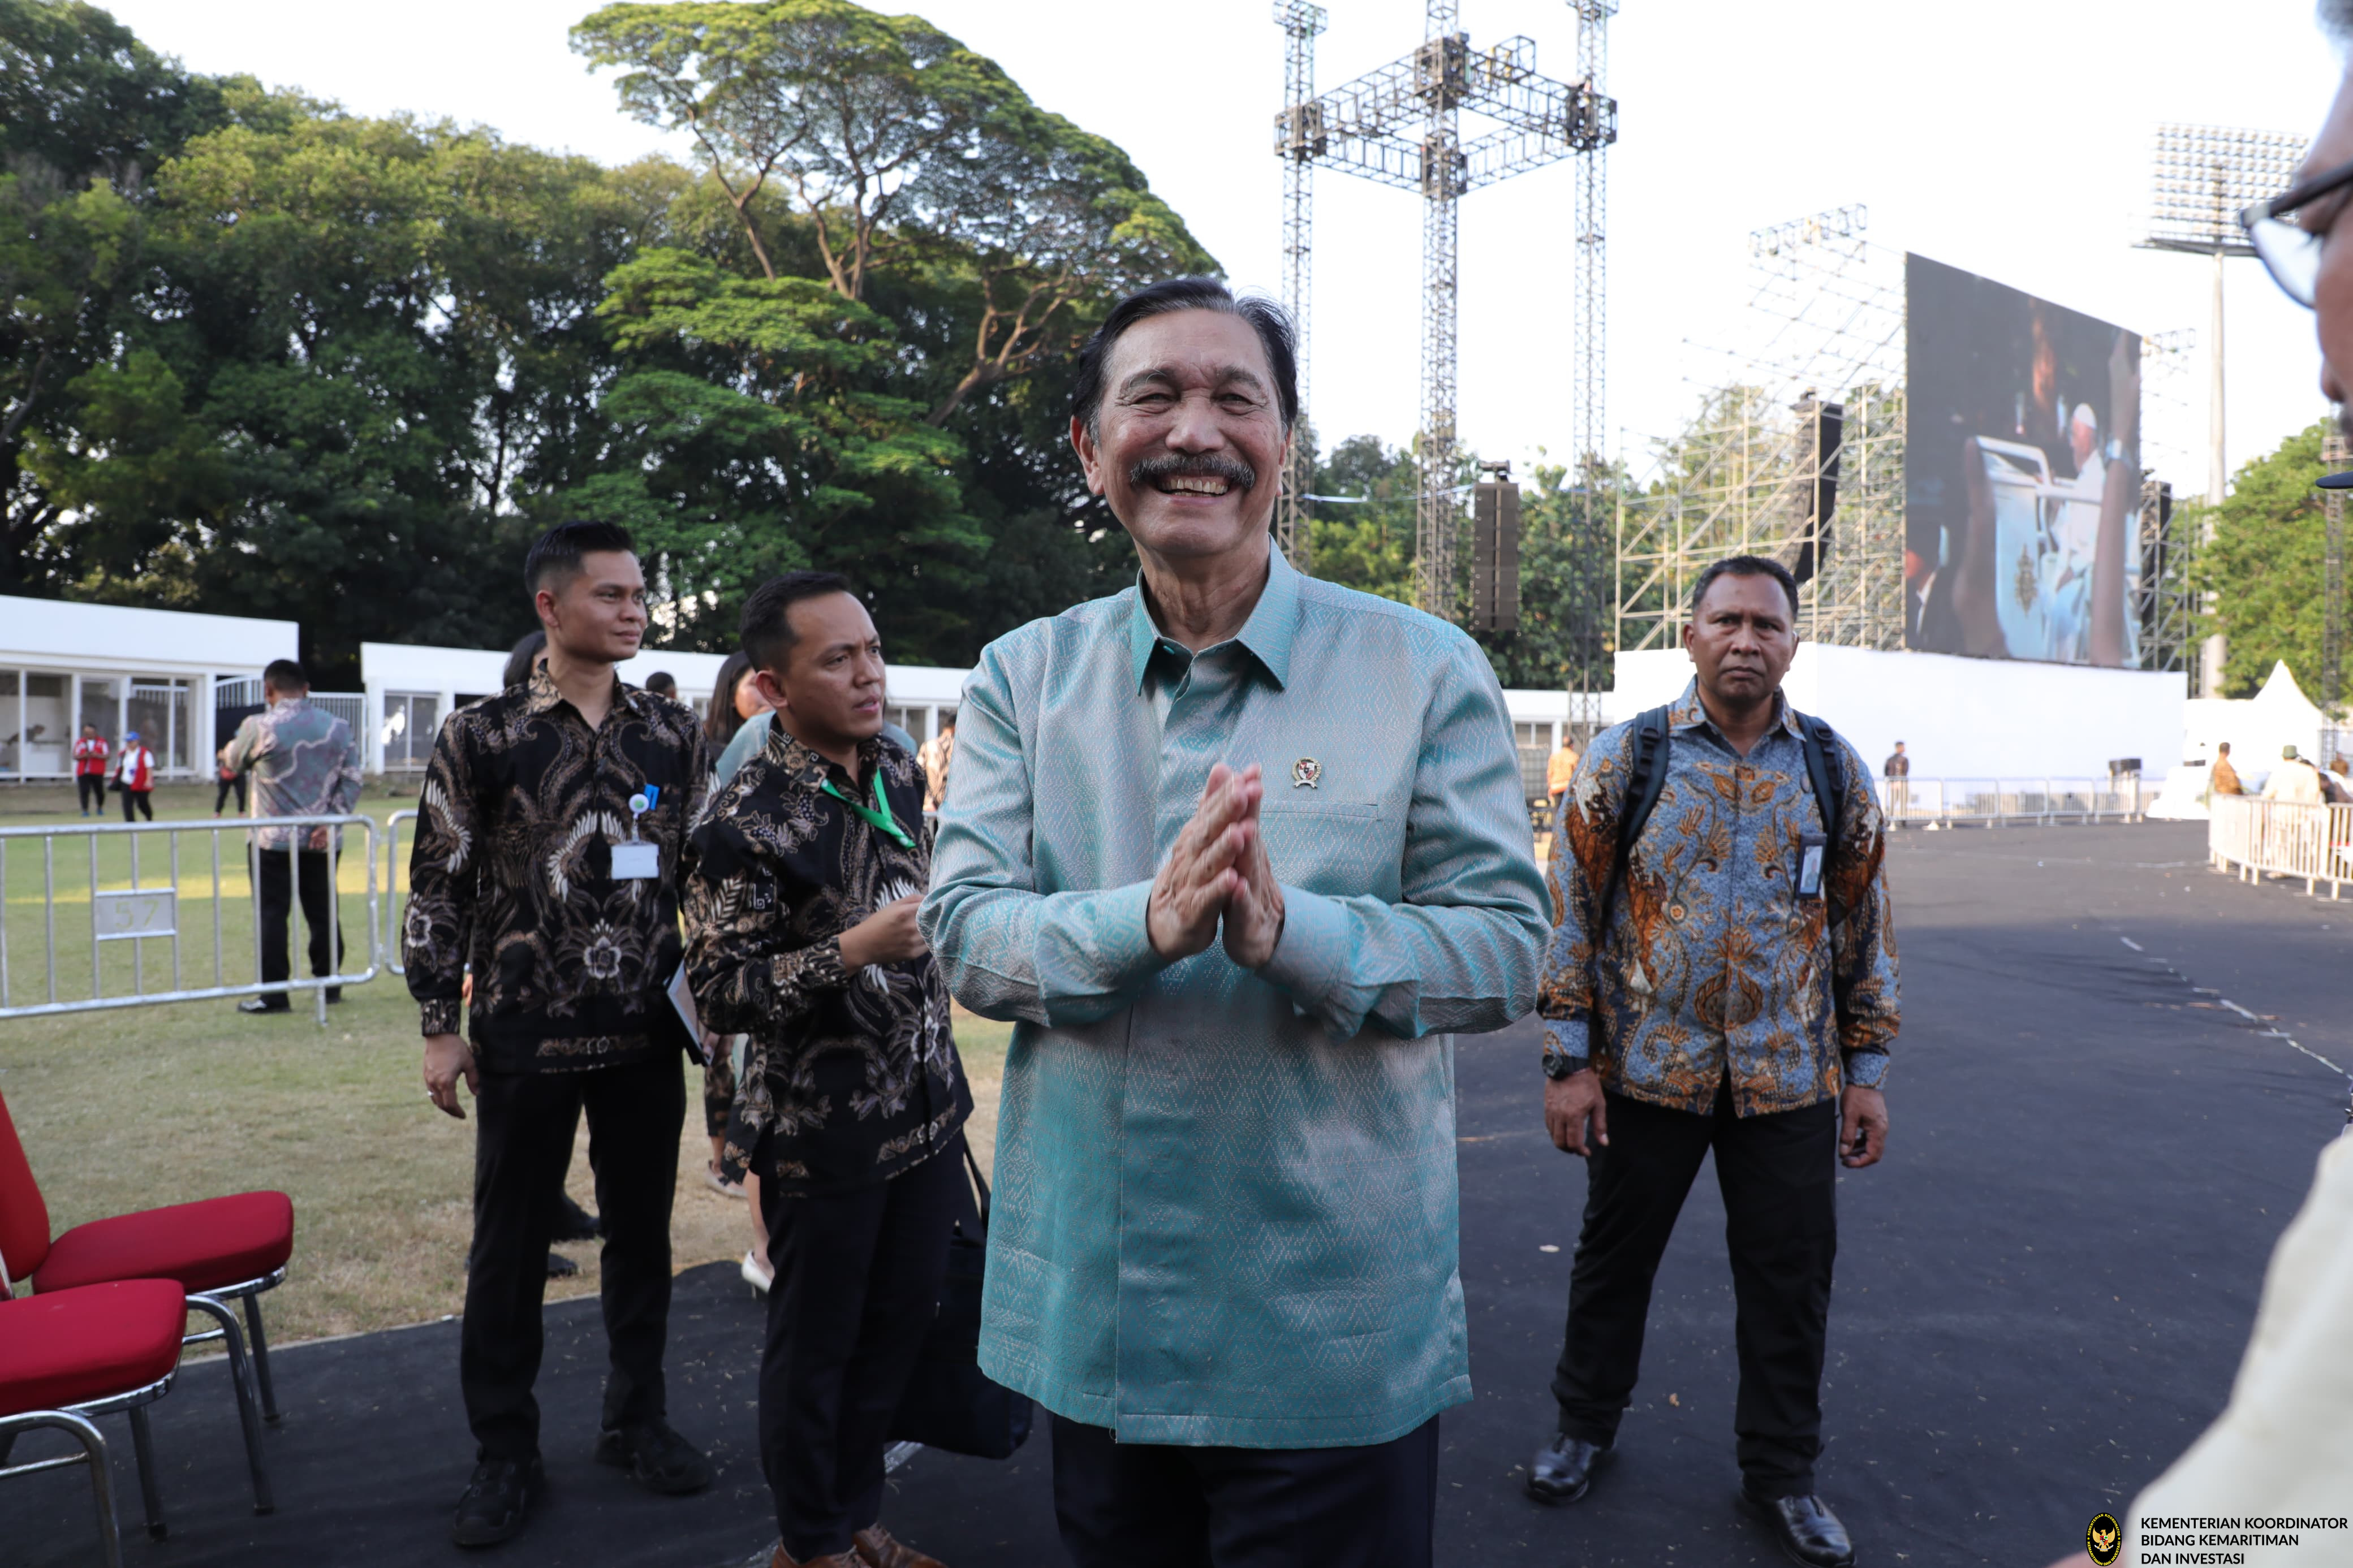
{"x":1811,"y":847}
{"x":635,"y":861}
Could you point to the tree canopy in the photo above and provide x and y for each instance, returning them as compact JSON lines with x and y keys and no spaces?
{"x":266,"y":357}
{"x":2264,"y":566}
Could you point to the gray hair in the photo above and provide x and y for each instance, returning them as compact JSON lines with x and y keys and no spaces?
{"x":2336,"y":19}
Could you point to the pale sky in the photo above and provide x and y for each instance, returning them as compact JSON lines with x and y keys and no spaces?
{"x":2009,"y":137}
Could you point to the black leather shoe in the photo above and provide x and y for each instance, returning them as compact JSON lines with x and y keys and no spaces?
{"x":573,"y":1222}
{"x":496,"y":1502}
{"x":1563,"y":1469}
{"x":656,"y":1458}
{"x":1807,"y":1529}
{"x":264,"y":1005}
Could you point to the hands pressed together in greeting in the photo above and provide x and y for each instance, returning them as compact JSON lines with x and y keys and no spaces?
{"x":1217,"y":870}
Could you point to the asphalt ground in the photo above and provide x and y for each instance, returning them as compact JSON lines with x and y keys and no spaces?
{"x":2041,"y":1294}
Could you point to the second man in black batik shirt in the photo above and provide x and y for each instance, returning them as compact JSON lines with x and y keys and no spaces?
{"x":800,"y":920}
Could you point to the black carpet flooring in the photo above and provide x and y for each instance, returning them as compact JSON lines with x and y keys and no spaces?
{"x":2041,"y":1294}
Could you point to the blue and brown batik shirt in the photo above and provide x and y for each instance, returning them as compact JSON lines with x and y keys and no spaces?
{"x":1713,"y":972}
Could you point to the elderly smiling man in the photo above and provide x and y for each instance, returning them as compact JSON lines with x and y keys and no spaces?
{"x":1236,"y":850}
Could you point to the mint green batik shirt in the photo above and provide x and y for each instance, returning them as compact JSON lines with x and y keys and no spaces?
{"x":1226,"y":1210}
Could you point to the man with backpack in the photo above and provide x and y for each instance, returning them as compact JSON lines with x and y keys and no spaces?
{"x":1721,"y":975}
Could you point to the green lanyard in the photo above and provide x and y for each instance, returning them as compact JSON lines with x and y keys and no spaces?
{"x":880,"y":816}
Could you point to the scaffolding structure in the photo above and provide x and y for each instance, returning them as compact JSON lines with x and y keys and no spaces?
{"x":1300,"y":141}
{"x":1403,"y":125}
{"x":2164,"y":603}
{"x":1796,"y":453}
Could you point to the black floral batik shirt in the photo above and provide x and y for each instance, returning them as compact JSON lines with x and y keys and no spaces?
{"x":849,"y":1078}
{"x":512,"y":873}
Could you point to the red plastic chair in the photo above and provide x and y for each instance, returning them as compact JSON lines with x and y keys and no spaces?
{"x":217,"y":1250}
{"x":69,"y":1355}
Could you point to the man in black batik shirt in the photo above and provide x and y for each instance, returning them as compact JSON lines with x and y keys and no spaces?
{"x":800,"y":917}
{"x":550,"y":845}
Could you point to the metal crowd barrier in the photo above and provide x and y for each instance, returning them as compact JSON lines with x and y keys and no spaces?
{"x":395,"y":896}
{"x":141,"y":904}
{"x":2252,"y":838}
{"x":1951,"y":802}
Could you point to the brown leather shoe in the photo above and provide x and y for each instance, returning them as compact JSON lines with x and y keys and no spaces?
{"x":783,"y":1559}
{"x":877,"y":1548}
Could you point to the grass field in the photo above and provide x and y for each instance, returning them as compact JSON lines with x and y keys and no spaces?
{"x":146,"y":1105}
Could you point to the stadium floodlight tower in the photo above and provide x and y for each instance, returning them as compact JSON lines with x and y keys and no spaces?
{"x":2205,"y":175}
{"x":1401,"y":125}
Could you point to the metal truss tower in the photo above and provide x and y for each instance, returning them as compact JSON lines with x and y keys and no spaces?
{"x":1401,"y":125}
{"x":1593,"y":524}
{"x":1300,"y":141}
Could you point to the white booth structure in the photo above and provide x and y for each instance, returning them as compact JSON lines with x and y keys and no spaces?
{"x":157,"y":671}
{"x":1960,"y":718}
{"x":410,"y":689}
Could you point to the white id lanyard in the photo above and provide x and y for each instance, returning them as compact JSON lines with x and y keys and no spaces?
{"x":637,"y":861}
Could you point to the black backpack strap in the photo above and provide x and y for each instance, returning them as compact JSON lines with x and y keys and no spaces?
{"x":1644,"y":779}
{"x":1821,"y":742}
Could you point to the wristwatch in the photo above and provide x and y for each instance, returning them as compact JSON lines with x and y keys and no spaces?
{"x":2115,"y":450}
{"x":1556,"y":1065}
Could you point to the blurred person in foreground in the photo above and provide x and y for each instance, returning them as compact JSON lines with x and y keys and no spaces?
{"x":800,"y":920}
{"x":304,"y":762}
{"x":2284,"y":1445}
{"x":1237,"y":851}
{"x":550,"y":845}
{"x":1722,"y":978}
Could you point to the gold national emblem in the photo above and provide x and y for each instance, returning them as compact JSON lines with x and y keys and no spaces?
{"x":1304,"y":773}
{"x":2103,"y":1541}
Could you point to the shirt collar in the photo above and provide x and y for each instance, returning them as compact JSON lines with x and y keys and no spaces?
{"x":1689,"y":713}
{"x":1267,"y":635}
{"x":544,"y":695}
{"x":803,"y":767}
{"x":288,"y":704}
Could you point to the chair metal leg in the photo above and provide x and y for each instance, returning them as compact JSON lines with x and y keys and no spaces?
{"x":101,"y":1488}
{"x":261,"y":1357}
{"x":240,"y":1376}
{"x":85,"y":1432}
{"x":143,"y":1449}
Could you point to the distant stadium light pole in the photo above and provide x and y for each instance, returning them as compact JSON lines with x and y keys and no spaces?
{"x":2205,"y":174}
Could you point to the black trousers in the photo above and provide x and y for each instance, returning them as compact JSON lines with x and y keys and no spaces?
{"x":274,"y":880}
{"x":1778,"y":1176}
{"x":220,"y":793}
{"x":857,"y":1286}
{"x":522,"y":1144}
{"x":138,"y":798}
{"x":89,"y":789}
{"x":1148,"y":1505}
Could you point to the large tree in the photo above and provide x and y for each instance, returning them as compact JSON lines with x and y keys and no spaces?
{"x":85,"y":114}
{"x":897,"y":147}
{"x":2263,"y":566}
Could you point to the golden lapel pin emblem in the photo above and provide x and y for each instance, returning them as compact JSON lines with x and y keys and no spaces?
{"x":1304,"y":773}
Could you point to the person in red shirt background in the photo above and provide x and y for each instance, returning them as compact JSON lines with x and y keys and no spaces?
{"x":135,"y":772}
{"x":89,"y":755}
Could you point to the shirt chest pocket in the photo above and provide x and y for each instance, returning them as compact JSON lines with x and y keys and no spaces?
{"x":1337,"y":847}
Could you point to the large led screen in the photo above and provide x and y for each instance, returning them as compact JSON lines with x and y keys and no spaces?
{"x":2022,"y":474}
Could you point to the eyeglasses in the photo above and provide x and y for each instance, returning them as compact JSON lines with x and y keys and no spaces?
{"x":2289,"y":250}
